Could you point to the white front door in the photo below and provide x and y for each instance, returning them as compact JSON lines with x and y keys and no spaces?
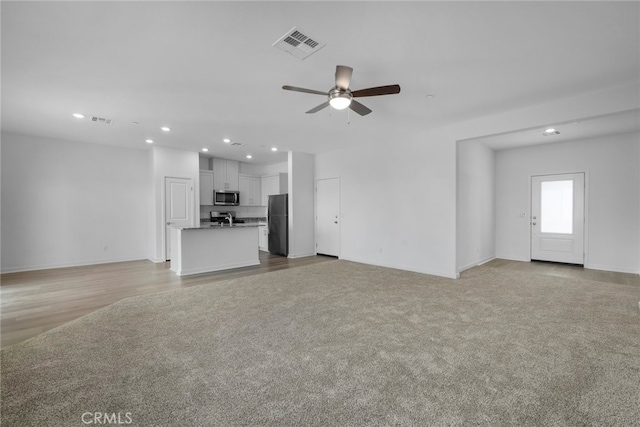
{"x":328,"y":216}
{"x":178,"y":204}
{"x":557,"y":218}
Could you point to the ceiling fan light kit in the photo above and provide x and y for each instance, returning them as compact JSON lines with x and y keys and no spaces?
{"x":341,"y":97}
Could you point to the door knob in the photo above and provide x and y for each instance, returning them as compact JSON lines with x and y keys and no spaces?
{"x":534,"y":223}
{"x":168,"y":223}
{"x":335,"y":222}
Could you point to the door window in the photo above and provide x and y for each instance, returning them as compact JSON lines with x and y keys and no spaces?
{"x":556,"y":207}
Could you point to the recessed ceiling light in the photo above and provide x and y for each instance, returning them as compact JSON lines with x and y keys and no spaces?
{"x":78,"y":115}
{"x":226,"y":140}
{"x":205,"y":149}
{"x":164,"y":128}
{"x":149,"y":141}
{"x":550,"y":130}
{"x":429,"y":96}
{"x":249,"y":156}
{"x":274,"y":148}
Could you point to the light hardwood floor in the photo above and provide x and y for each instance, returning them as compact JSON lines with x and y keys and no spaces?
{"x":35,"y":301}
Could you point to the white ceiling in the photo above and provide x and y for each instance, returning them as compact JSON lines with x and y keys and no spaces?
{"x":208,"y":69}
{"x":584,"y":128}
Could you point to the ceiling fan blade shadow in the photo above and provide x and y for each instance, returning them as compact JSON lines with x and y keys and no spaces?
{"x":343,"y":76}
{"x":375,"y":91}
{"x":318,"y":108}
{"x":301,"y":89}
{"x":359,"y":108}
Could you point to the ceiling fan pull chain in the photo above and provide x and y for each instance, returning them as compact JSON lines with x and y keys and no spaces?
{"x":348,"y":116}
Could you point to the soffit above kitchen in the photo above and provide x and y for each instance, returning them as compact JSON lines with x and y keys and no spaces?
{"x":208,"y":70}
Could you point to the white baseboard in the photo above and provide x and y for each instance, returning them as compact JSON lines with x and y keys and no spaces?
{"x":201,"y":270}
{"x":513,"y":258}
{"x":586,"y":265}
{"x":157,"y":260}
{"x":294,"y":256}
{"x":66,"y":265}
{"x":611,"y":268}
{"x":406,"y":268}
{"x":475,"y":264}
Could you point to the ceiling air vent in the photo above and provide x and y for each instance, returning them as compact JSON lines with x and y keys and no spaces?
{"x":101,"y":120}
{"x":298,"y":43}
{"x":237,"y":144}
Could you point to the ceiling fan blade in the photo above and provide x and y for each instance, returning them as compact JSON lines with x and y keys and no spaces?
{"x":301,"y":89}
{"x":343,"y":76}
{"x":318,"y":108}
{"x":375,"y":91}
{"x":359,"y":108}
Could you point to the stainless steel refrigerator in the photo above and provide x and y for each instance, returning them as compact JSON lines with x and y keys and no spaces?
{"x":278,"y":218}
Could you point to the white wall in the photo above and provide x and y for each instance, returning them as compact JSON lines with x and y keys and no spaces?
{"x":301,"y":205}
{"x":397,"y":202}
{"x":418,"y":230}
{"x":476,"y":228}
{"x":168,"y":162}
{"x":69,"y":203}
{"x":612,"y":199}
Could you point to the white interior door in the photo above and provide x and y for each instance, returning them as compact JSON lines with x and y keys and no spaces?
{"x":178,"y":207}
{"x":557,"y":218}
{"x":328,"y":216}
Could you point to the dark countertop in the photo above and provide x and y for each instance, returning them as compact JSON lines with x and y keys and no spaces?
{"x":240,"y":221}
{"x":207,"y":226}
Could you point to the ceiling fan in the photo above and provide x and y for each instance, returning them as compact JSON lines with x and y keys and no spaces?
{"x":341,"y":97}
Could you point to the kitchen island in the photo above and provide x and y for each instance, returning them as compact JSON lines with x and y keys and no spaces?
{"x":207,"y":248}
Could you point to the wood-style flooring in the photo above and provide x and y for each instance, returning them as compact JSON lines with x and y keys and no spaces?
{"x":35,"y":301}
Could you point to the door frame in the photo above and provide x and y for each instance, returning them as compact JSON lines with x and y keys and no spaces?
{"x":586,"y":209}
{"x":315,"y":222}
{"x":192,"y":210}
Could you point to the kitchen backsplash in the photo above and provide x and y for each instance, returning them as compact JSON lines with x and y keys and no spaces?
{"x":241,"y":211}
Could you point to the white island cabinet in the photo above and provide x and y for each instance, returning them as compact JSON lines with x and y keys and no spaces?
{"x":196,"y":250}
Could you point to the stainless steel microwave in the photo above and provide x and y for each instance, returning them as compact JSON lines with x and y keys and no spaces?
{"x":226,"y":198}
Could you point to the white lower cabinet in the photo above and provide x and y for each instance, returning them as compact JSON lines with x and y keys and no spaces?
{"x":263,"y":241}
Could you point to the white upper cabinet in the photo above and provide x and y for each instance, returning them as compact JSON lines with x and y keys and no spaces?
{"x":206,"y":187}
{"x":250,"y":190}
{"x":274,"y":184}
{"x":225,"y":174}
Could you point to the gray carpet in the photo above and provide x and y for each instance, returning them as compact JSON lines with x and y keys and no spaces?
{"x":341,"y":344}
